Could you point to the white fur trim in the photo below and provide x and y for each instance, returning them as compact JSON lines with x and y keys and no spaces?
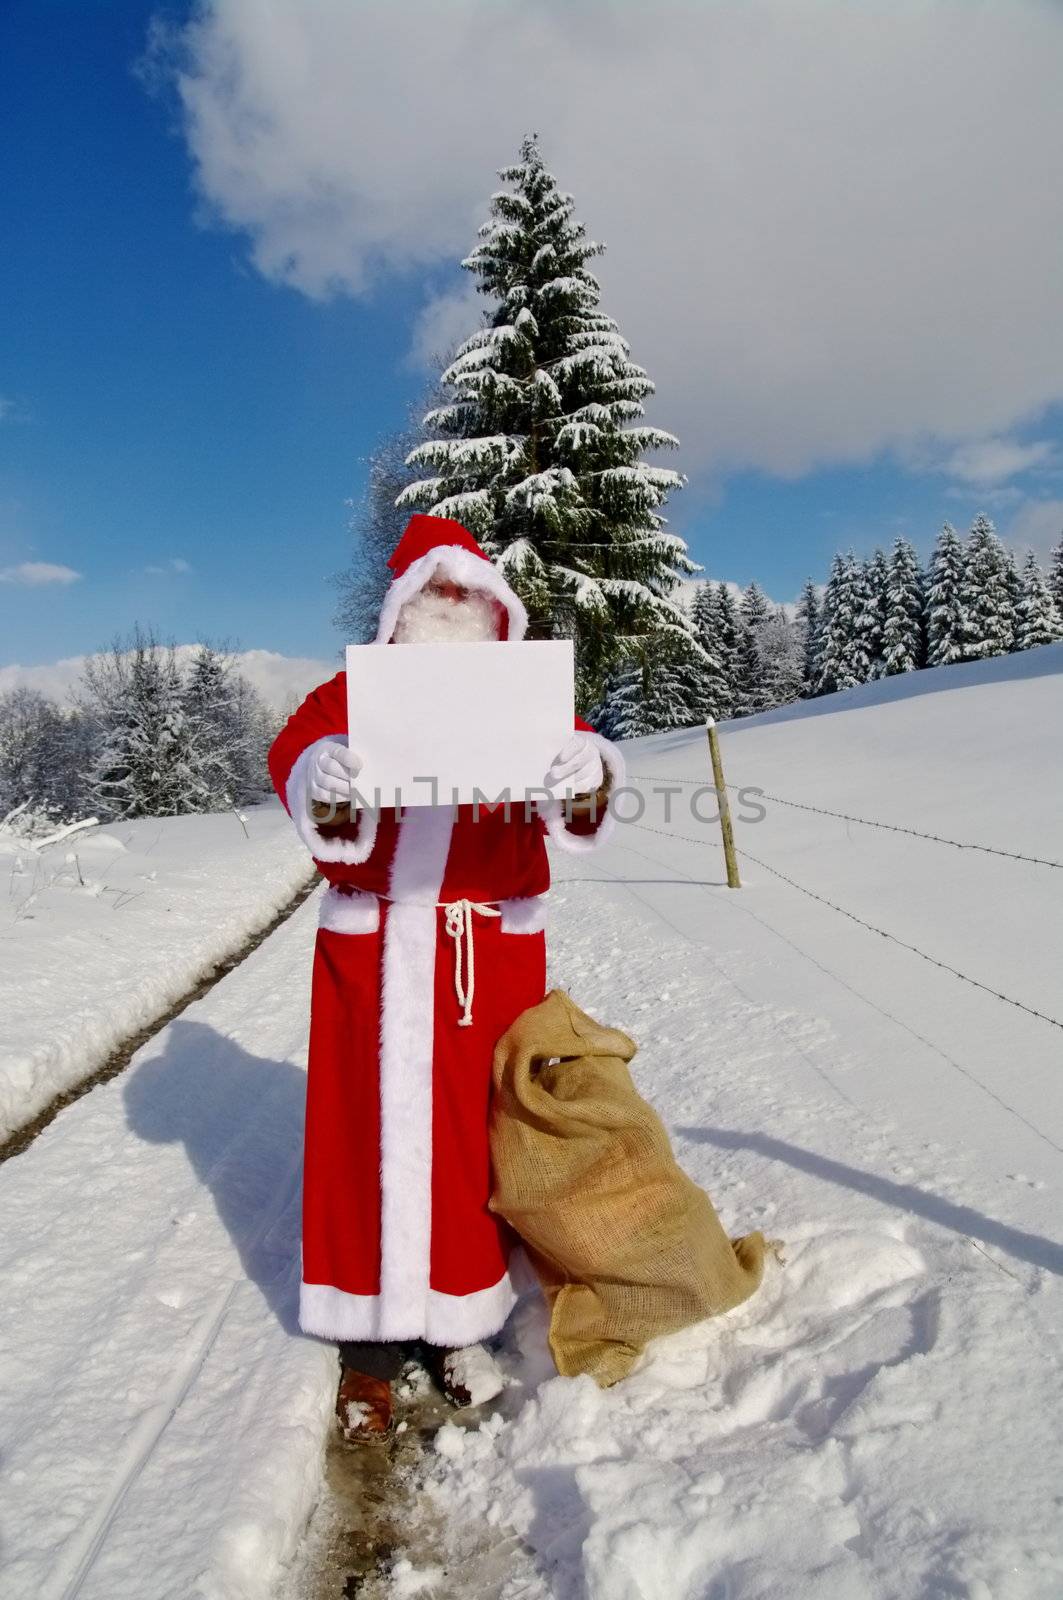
{"x":448,"y":1319}
{"x":407,"y":1040}
{"x":354,"y":911}
{"x":407,"y":1307}
{"x":552,"y":811}
{"x":526,"y":914}
{"x":351,"y":852}
{"x":451,"y":561}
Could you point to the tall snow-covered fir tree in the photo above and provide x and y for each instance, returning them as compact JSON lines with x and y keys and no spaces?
{"x":675,"y":689}
{"x":1055,"y":575}
{"x":147,"y":762}
{"x":539,"y":449}
{"x":229,"y":728}
{"x":727,"y":638}
{"x":1038,"y":620}
{"x":644,"y":696}
{"x":207,"y":705}
{"x":986,"y":595}
{"x":903,"y":643}
{"x":832,"y":631}
{"x":750,"y":689}
{"x":872,"y":617}
{"x":1014,"y":583}
{"x":842,"y":661}
{"x":715,"y":689}
{"x":945,"y":629}
{"x":755,"y":607}
{"x":859,"y":657}
{"x":808,"y":616}
{"x":621,"y":714}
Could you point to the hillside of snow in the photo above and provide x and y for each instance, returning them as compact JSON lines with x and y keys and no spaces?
{"x":882,"y":1421}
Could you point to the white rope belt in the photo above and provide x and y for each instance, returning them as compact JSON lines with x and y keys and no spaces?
{"x":459,"y":927}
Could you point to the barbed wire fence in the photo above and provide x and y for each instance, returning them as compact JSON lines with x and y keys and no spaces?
{"x":865,"y":822}
{"x":852,"y":916}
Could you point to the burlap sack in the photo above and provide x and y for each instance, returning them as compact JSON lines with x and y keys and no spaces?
{"x":625,"y":1245}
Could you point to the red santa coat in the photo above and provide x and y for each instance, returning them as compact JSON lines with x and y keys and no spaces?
{"x":398,"y":1242}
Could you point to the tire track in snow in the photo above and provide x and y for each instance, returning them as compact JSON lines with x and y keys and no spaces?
{"x":81,"y":1552}
{"x":75,"y":1558}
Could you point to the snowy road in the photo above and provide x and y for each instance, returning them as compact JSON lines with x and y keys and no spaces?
{"x":160,"y":1421}
{"x":883,"y":1420}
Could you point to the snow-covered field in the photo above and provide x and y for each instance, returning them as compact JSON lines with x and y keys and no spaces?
{"x":883,"y":1420}
{"x":104,"y":930}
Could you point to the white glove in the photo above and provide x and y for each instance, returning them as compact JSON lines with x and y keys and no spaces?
{"x":332,"y":771}
{"x":576,"y":769}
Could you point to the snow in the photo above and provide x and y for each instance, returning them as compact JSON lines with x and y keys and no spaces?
{"x":467,"y":454}
{"x":475,"y":1370}
{"x":881,"y":1421}
{"x":102,"y":933}
{"x":884,"y":1418}
{"x":162,"y":1419}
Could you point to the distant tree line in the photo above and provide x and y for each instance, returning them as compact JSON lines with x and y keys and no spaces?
{"x":148,"y":732}
{"x":873,"y":619}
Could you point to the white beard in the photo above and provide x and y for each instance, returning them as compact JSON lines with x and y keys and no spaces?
{"x":428,"y":618}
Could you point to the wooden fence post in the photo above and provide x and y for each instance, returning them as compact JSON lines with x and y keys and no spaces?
{"x":733,"y":880}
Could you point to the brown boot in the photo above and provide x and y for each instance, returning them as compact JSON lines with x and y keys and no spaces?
{"x":363,"y":1406}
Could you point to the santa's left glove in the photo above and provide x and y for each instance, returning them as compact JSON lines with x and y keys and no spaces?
{"x":332,"y":772}
{"x":576,"y":769}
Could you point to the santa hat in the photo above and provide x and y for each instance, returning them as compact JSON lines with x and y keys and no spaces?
{"x":437,"y":547}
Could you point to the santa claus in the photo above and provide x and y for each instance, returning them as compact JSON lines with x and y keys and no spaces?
{"x":431,"y":942}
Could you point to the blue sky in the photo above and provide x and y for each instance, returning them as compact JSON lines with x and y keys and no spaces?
{"x":170,"y":404}
{"x":182,"y":430}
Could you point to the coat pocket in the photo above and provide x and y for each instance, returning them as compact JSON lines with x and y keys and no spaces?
{"x":352,"y":911}
{"x":526,"y":914}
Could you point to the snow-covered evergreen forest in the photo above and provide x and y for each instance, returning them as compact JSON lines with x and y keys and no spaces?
{"x":532,"y":435}
{"x":150,"y":732}
{"x":872,"y":619}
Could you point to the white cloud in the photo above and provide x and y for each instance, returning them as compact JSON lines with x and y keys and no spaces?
{"x":56,"y":678}
{"x":31,"y":574}
{"x":831,"y":225}
{"x":176,"y":564}
{"x":988,"y":462}
{"x":1008,"y":494}
{"x":686,"y":592}
{"x":8,"y":408}
{"x":1037,"y":526}
{"x":284,"y":680}
{"x":281,"y":680}
{"x":443,"y":322}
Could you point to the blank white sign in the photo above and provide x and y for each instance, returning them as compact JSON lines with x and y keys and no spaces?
{"x":481,"y":716}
